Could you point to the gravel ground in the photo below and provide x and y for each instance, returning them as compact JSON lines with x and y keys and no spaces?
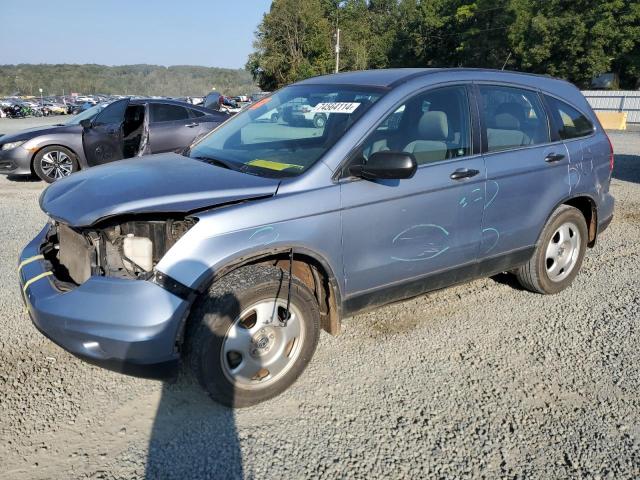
{"x":480,"y":380}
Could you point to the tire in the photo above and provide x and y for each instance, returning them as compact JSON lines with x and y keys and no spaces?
{"x":319,"y":121}
{"x":54,"y":162}
{"x":558,"y":255}
{"x":227,"y":341}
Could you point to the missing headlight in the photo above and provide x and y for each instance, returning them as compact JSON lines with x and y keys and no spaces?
{"x":125,"y":249}
{"x":133,"y":248}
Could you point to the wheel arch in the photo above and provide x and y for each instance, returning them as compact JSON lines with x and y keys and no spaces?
{"x":587,"y":205}
{"x":42,"y":147}
{"x":309,"y":266}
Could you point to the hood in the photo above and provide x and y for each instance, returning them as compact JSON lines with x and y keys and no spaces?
{"x":164,"y":183}
{"x":30,"y":133}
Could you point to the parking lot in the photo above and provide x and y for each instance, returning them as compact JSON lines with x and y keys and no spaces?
{"x":483,"y":379}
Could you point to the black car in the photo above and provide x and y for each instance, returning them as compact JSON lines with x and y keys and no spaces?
{"x":106,"y":132}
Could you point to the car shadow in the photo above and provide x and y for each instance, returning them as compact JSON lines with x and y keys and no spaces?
{"x":627,"y":168}
{"x":193,"y":436}
{"x":508,"y":279}
{"x":23,"y":178}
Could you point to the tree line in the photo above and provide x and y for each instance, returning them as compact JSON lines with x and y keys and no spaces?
{"x":571,"y":39}
{"x":125,"y":80}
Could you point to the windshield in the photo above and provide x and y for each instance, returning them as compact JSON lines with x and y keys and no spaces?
{"x":286,"y":133}
{"x":87,"y":114}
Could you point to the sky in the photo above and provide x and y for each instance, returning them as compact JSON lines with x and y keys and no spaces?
{"x":213,"y":33}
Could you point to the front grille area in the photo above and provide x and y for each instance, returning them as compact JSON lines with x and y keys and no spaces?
{"x":6,"y":166}
{"x":75,"y":254}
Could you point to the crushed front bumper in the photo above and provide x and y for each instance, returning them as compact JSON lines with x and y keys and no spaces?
{"x":130,"y":326}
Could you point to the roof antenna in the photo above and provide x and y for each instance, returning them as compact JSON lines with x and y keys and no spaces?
{"x":505,"y":62}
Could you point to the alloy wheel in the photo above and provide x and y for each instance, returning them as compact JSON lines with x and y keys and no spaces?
{"x":56,"y":164}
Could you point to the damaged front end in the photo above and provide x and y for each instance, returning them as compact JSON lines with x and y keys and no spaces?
{"x":120,"y":248}
{"x":85,"y":290}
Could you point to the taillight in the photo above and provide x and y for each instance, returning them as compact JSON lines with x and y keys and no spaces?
{"x":611,"y":160}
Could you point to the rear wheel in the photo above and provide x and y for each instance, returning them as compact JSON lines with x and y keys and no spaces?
{"x":558,"y":256}
{"x":240,"y":347}
{"x":53,"y":163}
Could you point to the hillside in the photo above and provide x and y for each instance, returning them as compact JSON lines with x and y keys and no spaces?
{"x":124,"y":79}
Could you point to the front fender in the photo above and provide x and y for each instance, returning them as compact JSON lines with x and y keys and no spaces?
{"x":206,"y":251}
{"x":71,"y":141}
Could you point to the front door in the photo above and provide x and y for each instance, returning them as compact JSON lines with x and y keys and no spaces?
{"x":401,"y":233}
{"x":102,"y":141}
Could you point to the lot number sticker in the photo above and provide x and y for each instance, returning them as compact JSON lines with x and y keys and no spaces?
{"x":336,"y":107}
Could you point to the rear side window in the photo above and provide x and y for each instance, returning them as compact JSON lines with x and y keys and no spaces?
{"x":513,"y":117}
{"x":167,"y":113}
{"x":569,"y":122}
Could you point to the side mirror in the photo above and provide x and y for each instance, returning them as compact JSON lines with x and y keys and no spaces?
{"x":386,"y":165}
{"x":86,"y":123}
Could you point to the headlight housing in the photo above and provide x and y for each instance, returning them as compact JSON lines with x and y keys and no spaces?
{"x":12,"y":145}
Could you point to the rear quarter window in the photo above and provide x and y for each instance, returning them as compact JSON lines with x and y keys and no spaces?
{"x":568,"y":122}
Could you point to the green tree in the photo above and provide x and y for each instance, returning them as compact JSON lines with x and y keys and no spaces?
{"x":178,"y":80}
{"x":571,"y":39}
{"x":292,"y":42}
{"x":576,"y":40}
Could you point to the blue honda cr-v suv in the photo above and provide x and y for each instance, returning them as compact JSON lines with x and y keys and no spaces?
{"x":236,"y":253}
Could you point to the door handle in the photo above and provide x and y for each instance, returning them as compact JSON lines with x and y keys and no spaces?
{"x":191,"y":125}
{"x":461,"y":173}
{"x":553,"y":157}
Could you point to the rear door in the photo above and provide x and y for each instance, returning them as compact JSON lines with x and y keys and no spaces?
{"x":207,"y":122}
{"x":103,"y":141}
{"x":588,"y":154}
{"x":170,"y":127}
{"x":527,"y":173}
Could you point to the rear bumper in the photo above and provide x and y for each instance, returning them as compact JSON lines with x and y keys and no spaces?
{"x":605,"y":213}
{"x":604,"y":224}
{"x":129,"y":326}
{"x":16,"y":161}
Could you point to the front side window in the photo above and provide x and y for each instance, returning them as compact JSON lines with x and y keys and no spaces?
{"x":90,"y":114}
{"x":161,"y":112}
{"x":513,"y":118}
{"x":569,"y":121}
{"x":286,"y":133}
{"x":113,"y":113}
{"x":432,"y":126}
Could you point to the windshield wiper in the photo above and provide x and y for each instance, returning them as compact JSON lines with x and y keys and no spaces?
{"x":217,"y":162}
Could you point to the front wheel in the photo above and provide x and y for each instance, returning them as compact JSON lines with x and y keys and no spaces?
{"x":558,"y":256}
{"x":240,"y":347}
{"x":55,"y":162}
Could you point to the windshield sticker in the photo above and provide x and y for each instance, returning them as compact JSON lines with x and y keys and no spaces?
{"x":336,"y":107}
{"x":273,"y":165}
